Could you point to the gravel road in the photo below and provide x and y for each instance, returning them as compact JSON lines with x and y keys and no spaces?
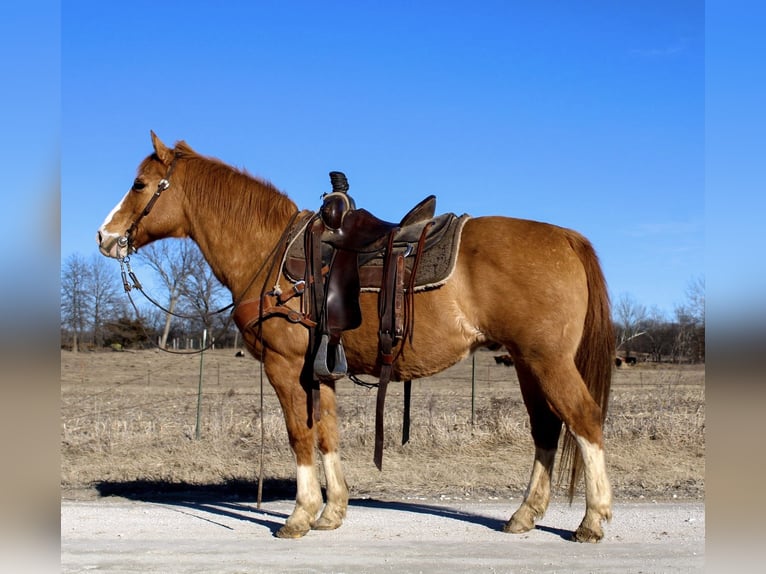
{"x":430,"y":536}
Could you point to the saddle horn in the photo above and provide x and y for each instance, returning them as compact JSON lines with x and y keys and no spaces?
{"x":337,"y":203}
{"x":339,"y":182}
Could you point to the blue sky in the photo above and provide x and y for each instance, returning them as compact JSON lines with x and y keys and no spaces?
{"x":589,"y":115}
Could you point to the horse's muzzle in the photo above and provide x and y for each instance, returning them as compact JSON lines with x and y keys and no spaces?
{"x":115,"y":246}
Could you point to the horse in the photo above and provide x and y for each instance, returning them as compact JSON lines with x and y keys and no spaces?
{"x":534,"y":288}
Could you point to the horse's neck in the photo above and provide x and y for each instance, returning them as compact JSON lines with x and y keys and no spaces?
{"x":238,"y":244}
{"x":237,"y":264}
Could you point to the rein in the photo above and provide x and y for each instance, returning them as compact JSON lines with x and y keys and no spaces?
{"x":136,"y":284}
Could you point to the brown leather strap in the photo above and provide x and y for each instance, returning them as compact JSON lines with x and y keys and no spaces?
{"x":380,"y":403}
{"x":315,"y":278}
{"x":252,"y":311}
{"x":406,"y":416}
{"x":390,"y":310}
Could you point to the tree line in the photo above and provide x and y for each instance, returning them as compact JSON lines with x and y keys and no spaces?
{"x":646,"y":333}
{"x":96,"y":312}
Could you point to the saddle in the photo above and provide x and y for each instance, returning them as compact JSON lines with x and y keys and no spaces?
{"x":347,"y":250}
{"x":343,"y":252}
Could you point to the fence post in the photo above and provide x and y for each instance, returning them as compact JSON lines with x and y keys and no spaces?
{"x":473,"y":389}
{"x":199,"y":388}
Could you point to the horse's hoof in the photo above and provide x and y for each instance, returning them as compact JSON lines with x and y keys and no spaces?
{"x":515,"y":526}
{"x":585,"y":534}
{"x":325,"y":524}
{"x":291,"y":532}
{"x":523,"y":520}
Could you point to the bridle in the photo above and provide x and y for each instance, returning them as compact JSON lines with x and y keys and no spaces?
{"x":130,"y":281}
{"x":127,"y":272}
{"x":162,"y":185}
{"x":126,"y":241}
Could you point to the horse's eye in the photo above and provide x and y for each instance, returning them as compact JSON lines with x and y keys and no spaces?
{"x":138,"y":185}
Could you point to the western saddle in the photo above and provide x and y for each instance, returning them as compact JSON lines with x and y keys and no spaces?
{"x":345,"y":251}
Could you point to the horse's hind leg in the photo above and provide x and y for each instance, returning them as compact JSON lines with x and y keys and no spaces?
{"x":546,"y":428}
{"x":337,"y":490}
{"x":598,"y":492}
{"x":569,"y":399}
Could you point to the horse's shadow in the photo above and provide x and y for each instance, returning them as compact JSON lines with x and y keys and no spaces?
{"x":451,"y":513}
{"x":234,"y":499}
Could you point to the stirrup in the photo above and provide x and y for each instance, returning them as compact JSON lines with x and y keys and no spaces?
{"x":321,"y":368}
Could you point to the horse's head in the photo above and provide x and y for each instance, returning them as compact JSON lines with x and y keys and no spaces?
{"x":142,"y":216}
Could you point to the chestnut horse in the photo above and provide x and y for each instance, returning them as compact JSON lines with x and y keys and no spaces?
{"x":533,"y":288}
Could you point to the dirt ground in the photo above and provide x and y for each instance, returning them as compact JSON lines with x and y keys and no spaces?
{"x":185,"y":535}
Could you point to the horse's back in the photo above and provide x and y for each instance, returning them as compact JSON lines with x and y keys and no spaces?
{"x":508,"y":263}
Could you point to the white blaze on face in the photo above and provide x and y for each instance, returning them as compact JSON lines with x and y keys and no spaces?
{"x":107,"y":240}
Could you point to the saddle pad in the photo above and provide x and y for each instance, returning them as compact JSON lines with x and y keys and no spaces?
{"x":435,"y":267}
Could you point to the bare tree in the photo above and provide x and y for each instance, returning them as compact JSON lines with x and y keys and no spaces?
{"x":659,"y":335}
{"x":104,"y":290}
{"x":76,"y":305}
{"x":690,"y":341}
{"x":192,"y":289}
{"x":695,"y":296}
{"x":173,"y":263}
{"x":630,"y":318}
{"x":202,"y":293}
{"x":89,"y":299}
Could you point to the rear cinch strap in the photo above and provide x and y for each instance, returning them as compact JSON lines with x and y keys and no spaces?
{"x":406,"y":417}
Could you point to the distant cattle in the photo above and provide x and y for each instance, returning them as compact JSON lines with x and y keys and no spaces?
{"x":506,"y":360}
{"x":618,"y":361}
{"x":239,"y":354}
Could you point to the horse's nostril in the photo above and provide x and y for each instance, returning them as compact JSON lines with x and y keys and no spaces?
{"x":99,"y":238}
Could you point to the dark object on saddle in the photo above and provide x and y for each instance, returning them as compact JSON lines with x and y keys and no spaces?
{"x":345,"y":251}
{"x":360,"y":231}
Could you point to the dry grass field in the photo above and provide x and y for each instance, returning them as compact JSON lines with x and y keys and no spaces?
{"x":128,"y":420}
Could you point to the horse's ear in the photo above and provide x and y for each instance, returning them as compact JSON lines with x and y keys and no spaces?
{"x":163,"y":152}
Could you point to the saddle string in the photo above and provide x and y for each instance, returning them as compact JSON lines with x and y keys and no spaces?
{"x":409,"y":300}
{"x":277,"y":290}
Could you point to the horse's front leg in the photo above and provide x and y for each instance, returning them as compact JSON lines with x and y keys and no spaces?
{"x":337,"y":490}
{"x":284,"y":376}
